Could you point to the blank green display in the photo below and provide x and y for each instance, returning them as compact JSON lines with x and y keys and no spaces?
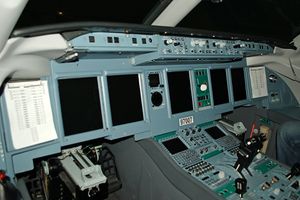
{"x":226,"y":190}
{"x":265,"y":166}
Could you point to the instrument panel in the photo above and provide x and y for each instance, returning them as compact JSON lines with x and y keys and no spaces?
{"x":113,"y":85}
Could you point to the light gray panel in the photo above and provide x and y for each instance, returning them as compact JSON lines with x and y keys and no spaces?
{"x":142,"y":179}
{"x":24,"y":161}
{"x":280,"y":95}
{"x":183,"y":181}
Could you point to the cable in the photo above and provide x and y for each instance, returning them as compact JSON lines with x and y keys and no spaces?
{"x":252,"y":129}
{"x":291,"y":65}
{"x":292,"y":79}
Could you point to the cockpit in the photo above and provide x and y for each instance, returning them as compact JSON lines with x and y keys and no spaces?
{"x":166,"y":108}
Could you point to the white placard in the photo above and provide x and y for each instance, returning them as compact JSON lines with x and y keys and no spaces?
{"x":258,"y":82}
{"x":29,"y":113}
{"x":186,"y":121}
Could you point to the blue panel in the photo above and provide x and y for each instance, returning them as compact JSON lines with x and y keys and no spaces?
{"x":279,"y":94}
{"x":2,"y":142}
{"x":24,"y":161}
{"x":115,"y":42}
{"x":21,"y":160}
{"x":101,"y":55}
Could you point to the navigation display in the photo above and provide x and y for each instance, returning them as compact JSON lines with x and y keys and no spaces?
{"x":180,"y":91}
{"x":174,"y":145}
{"x":125,"y":99}
{"x":238,"y":84}
{"x":219,"y":86}
{"x":215,"y":132}
{"x":80,"y":105}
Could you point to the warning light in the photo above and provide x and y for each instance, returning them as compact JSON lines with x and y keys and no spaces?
{"x":2,"y":175}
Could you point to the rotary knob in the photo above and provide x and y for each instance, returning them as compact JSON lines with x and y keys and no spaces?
{"x":203,"y":87}
{"x":168,"y":41}
{"x":221,"y":174}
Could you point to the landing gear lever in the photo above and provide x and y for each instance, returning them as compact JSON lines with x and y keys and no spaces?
{"x":248,"y":151}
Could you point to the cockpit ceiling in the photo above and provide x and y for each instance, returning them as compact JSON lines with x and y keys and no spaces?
{"x":39,"y":12}
{"x":276,"y":19}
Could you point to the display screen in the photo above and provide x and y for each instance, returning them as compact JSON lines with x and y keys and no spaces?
{"x":180,"y":91}
{"x":80,"y":105}
{"x":125,"y":99}
{"x":174,"y":145}
{"x":215,"y":132}
{"x":219,"y":86}
{"x":238,"y":84}
{"x":153,"y":80}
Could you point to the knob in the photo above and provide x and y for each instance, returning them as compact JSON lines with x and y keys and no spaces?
{"x":272,"y":78}
{"x":221,"y":175}
{"x":276,"y":191}
{"x":241,"y":186}
{"x":168,"y":41}
{"x":203,"y":87}
{"x":176,"y":43}
{"x":187,"y":133}
{"x":295,"y":171}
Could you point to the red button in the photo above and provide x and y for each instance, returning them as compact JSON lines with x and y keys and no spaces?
{"x":2,"y":176}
